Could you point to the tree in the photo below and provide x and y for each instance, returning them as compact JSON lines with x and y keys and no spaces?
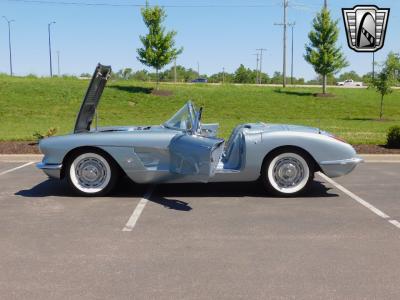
{"x":277,"y":78}
{"x":141,"y":75}
{"x":386,"y":78}
{"x":366,"y":78}
{"x":349,"y":75}
{"x":158,"y":46}
{"x":221,"y":77}
{"x":182,"y":74}
{"x":321,"y":51}
{"x":127,"y":73}
{"x":245,"y":75}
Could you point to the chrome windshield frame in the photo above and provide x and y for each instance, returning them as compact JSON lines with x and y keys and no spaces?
{"x":192,"y":119}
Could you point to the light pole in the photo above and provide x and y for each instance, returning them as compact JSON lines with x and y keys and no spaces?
{"x":51,"y":65}
{"x":291,"y":67}
{"x":9,"y":42}
{"x":285,"y":25}
{"x":261,"y":61}
{"x":58,"y":63}
{"x":257,"y":64}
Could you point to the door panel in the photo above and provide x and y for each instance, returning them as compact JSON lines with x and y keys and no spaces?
{"x":195,"y":155}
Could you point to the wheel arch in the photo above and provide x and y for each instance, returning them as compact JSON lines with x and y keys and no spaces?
{"x":284,"y":148}
{"x":82,"y":149}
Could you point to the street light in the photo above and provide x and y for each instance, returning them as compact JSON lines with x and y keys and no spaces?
{"x":58,"y":63}
{"x":9,"y":41}
{"x":51,"y":65}
{"x":291,"y":68}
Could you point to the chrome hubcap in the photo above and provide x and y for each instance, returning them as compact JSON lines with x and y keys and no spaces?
{"x":288,"y":172}
{"x":91,"y":172}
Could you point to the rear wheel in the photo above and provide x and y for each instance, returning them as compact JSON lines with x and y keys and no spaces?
{"x":288,"y":172}
{"x":91,"y":173}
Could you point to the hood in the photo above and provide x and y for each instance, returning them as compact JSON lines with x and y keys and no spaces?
{"x":152,"y":128}
{"x":92,"y":98}
{"x":305,"y":129}
{"x":267,"y":127}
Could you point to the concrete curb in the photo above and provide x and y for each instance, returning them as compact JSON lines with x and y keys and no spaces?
{"x":385,"y":158}
{"x":20,"y":157}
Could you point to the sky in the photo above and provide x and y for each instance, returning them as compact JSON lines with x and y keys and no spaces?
{"x":216,"y":34}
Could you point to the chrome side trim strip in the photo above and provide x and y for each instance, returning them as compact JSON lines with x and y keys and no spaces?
{"x":43,"y":166}
{"x":349,"y":161}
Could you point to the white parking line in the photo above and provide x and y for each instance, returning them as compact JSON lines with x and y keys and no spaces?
{"x":395,"y":223}
{"x":138,"y":211}
{"x":360,"y":200}
{"x":17,"y":168}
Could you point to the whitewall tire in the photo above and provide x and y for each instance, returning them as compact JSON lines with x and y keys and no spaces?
{"x":91,"y":173}
{"x":288,"y":172}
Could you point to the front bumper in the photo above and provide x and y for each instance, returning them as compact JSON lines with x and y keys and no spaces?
{"x":336,"y":168}
{"x":51,"y":170}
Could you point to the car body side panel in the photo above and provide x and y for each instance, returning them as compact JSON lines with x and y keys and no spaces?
{"x":139,"y":149}
{"x":258,"y":144}
{"x":252,"y":154}
{"x":145,"y":156}
{"x":321,"y":147}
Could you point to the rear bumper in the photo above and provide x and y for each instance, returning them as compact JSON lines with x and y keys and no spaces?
{"x":51,"y":170}
{"x":336,"y":168}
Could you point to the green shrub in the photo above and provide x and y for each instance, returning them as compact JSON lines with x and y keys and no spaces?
{"x":31,"y":76}
{"x":393,"y":137}
{"x":50,"y":132}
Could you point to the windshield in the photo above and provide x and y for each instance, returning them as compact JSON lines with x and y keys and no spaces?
{"x":183,"y":119}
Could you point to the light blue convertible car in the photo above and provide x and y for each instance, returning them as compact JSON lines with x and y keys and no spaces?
{"x":183,"y":149}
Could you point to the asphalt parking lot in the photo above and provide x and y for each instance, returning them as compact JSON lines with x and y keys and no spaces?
{"x":195,"y":241}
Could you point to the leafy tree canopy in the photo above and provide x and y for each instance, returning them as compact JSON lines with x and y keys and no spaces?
{"x":158,"y":45}
{"x":349,"y":75}
{"x":322,"y":52}
{"x":387,"y":77}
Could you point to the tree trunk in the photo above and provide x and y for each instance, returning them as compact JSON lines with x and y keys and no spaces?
{"x":158,"y":80}
{"x":381,"y":113}
{"x":324,"y":84}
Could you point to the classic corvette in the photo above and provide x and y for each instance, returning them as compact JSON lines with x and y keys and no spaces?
{"x":183,"y":149}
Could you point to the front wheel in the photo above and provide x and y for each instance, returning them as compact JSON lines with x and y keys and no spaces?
{"x":288,"y":173}
{"x":91,"y":173}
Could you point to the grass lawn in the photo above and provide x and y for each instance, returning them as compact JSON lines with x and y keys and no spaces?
{"x":28,"y":105}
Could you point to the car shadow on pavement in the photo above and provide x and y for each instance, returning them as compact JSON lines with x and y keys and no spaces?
{"x":48,"y":188}
{"x":233,"y":189}
{"x":170,"y":203}
{"x":164,"y":192}
{"x":60,"y":188}
{"x":124,"y":189}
